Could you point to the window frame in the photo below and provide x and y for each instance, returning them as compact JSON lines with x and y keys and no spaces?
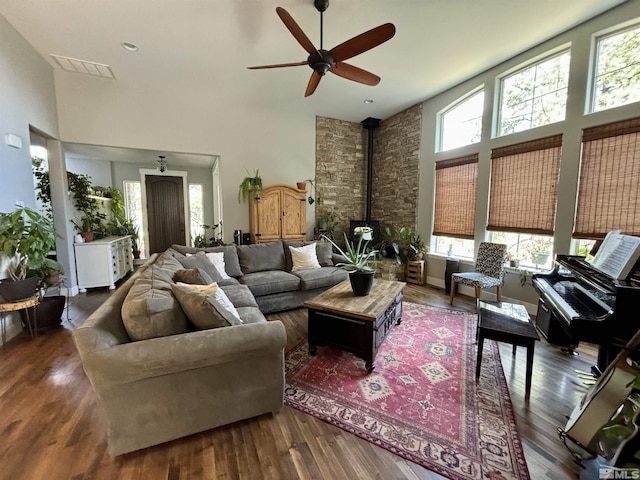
{"x":440,"y":125}
{"x":538,"y":59}
{"x":590,"y":100}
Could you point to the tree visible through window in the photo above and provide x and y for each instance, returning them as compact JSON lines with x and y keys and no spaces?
{"x":616,"y":79}
{"x":535,"y":95}
{"x":462,"y":124}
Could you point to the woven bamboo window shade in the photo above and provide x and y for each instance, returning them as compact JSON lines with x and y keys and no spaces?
{"x":455,"y":199}
{"x":524,"y":186}
{"x":609,"y":190}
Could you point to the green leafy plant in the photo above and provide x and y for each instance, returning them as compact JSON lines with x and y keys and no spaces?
{"x":27,"y":238}
{"x":402,"y":244}
{"x":328,"y":221}
{"x":91,"y":220}
{"x":43,"y":184}
{"x":250,"y":186}
{"x":201,"y":240}
{"x":357,"y":258}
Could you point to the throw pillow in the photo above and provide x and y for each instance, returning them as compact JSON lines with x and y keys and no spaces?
{"x":206,"y":306}
{"x":217,"y":258}
{"x":195,"y":276}
{"x":200,"y":260}
{"x":304,"y":258}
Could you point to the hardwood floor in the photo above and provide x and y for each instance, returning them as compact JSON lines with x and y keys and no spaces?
{"x":52,"y":428}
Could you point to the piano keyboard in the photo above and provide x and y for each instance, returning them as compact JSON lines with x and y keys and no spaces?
{"x":573,"y":300}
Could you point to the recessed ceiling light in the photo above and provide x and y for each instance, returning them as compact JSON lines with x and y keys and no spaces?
{"x":368,"y":101}
{"x":129,"y":46}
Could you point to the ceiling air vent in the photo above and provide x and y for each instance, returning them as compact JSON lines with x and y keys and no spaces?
{"x":84,"y":66}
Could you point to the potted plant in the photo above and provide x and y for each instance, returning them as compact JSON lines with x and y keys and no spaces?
{"x":403,"y":245}
{"x":250,"y":186}
{"x":27,"y":238}
{"x":357,"y":264}
{"x":539,"y":249}
{"x":215,"y":240}
{"x":303,"y":186}
{"x":327,"y":222}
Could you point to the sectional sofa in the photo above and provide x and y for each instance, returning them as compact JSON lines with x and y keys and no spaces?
{"x":160,"y":368}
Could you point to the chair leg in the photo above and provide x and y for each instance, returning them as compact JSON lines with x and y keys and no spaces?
{"x":453,"y":291}
{"x":498,"y":297}
{"x":478,"y":293}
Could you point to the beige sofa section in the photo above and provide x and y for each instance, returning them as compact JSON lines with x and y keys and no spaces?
{"x":164,"y":388}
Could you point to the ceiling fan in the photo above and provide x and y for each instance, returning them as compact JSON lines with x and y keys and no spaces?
{"x":322,"y":61}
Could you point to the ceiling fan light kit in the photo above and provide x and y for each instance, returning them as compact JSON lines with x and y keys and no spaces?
{"x":322,"y":61}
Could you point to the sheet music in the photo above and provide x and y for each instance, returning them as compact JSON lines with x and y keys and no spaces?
{"x":617,"y":255}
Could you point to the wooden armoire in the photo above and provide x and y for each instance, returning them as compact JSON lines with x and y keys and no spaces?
{"x":281,"y":212}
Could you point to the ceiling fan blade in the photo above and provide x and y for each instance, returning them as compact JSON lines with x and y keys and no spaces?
{"x":356,"y":74}
{"x":313,"y":84}
{"x":278,"y":65}
{"x":363,"y":42}
{"x":295,"y":30}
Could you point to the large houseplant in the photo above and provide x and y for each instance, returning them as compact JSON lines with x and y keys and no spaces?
{"x":357,"y":263}
{"x":26,"y":238}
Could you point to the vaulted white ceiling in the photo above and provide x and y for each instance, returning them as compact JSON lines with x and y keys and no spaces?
{"x":438,"y":44}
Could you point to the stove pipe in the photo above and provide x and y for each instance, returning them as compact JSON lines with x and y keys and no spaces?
{"x":370,"y":124}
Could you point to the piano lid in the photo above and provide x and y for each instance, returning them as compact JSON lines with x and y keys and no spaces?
{"x":586,"y":272}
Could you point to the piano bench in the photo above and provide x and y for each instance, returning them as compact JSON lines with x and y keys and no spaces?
{"x":508,"y":323}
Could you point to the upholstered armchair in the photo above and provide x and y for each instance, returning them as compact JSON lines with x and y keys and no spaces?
{"x":488,"y":272}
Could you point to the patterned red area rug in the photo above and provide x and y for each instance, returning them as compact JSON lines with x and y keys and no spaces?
{"x":421,"y":402}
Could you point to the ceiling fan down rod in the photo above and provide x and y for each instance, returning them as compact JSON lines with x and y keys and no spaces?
{"x":321,"y":29}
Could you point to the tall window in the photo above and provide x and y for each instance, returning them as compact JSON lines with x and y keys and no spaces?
{"x":609,"y":189}
{"x":196,"y":211}
{"x":523,"y":194}
{"x":462,"y":124}
{"x":616,"y":77}
{"x":535,"y":95}
{"x":455,"y":205}
{"x":133,"y":209}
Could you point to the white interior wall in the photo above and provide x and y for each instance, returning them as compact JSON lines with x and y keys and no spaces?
{"x":191,"y":119}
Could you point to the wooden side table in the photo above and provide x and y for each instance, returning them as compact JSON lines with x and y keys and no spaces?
{"x":17,"y":306}
{"x":415,"y":272}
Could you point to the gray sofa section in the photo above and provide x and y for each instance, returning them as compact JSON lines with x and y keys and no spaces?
{"x":163,"y":388}
{"x":266,"y":268}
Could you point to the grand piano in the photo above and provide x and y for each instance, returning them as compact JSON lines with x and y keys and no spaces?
{"x":579,"y":303}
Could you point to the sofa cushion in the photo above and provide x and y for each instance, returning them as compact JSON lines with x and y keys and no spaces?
{"x":304,"y":258}
{"x":324,"y":252}
{"x":200,"y":260}
{"x":195,"y":276}
{"x":272,"y":281}
{"x":319,"y":278}
{"x":261,"y":257}
{"x":168,"y":262}
{"x":240,"y":295}
{"x":150,"y":310}
{"x":231,"y":263}
{"x":251,"y":315}
{"x":217,"y":258}
{"x":206,"y":306}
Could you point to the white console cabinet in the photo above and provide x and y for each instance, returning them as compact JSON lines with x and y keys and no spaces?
{"x":103,"y":262}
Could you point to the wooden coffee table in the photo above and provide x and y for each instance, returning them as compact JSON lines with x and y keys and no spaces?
{"x":355,"y":324}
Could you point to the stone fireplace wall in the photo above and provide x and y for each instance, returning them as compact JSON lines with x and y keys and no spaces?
{"x":341,"y":169}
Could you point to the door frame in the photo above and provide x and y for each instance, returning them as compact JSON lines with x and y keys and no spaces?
{"x":144,"y":172}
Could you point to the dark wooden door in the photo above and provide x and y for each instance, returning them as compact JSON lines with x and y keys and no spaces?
{"x":165,"y":212}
